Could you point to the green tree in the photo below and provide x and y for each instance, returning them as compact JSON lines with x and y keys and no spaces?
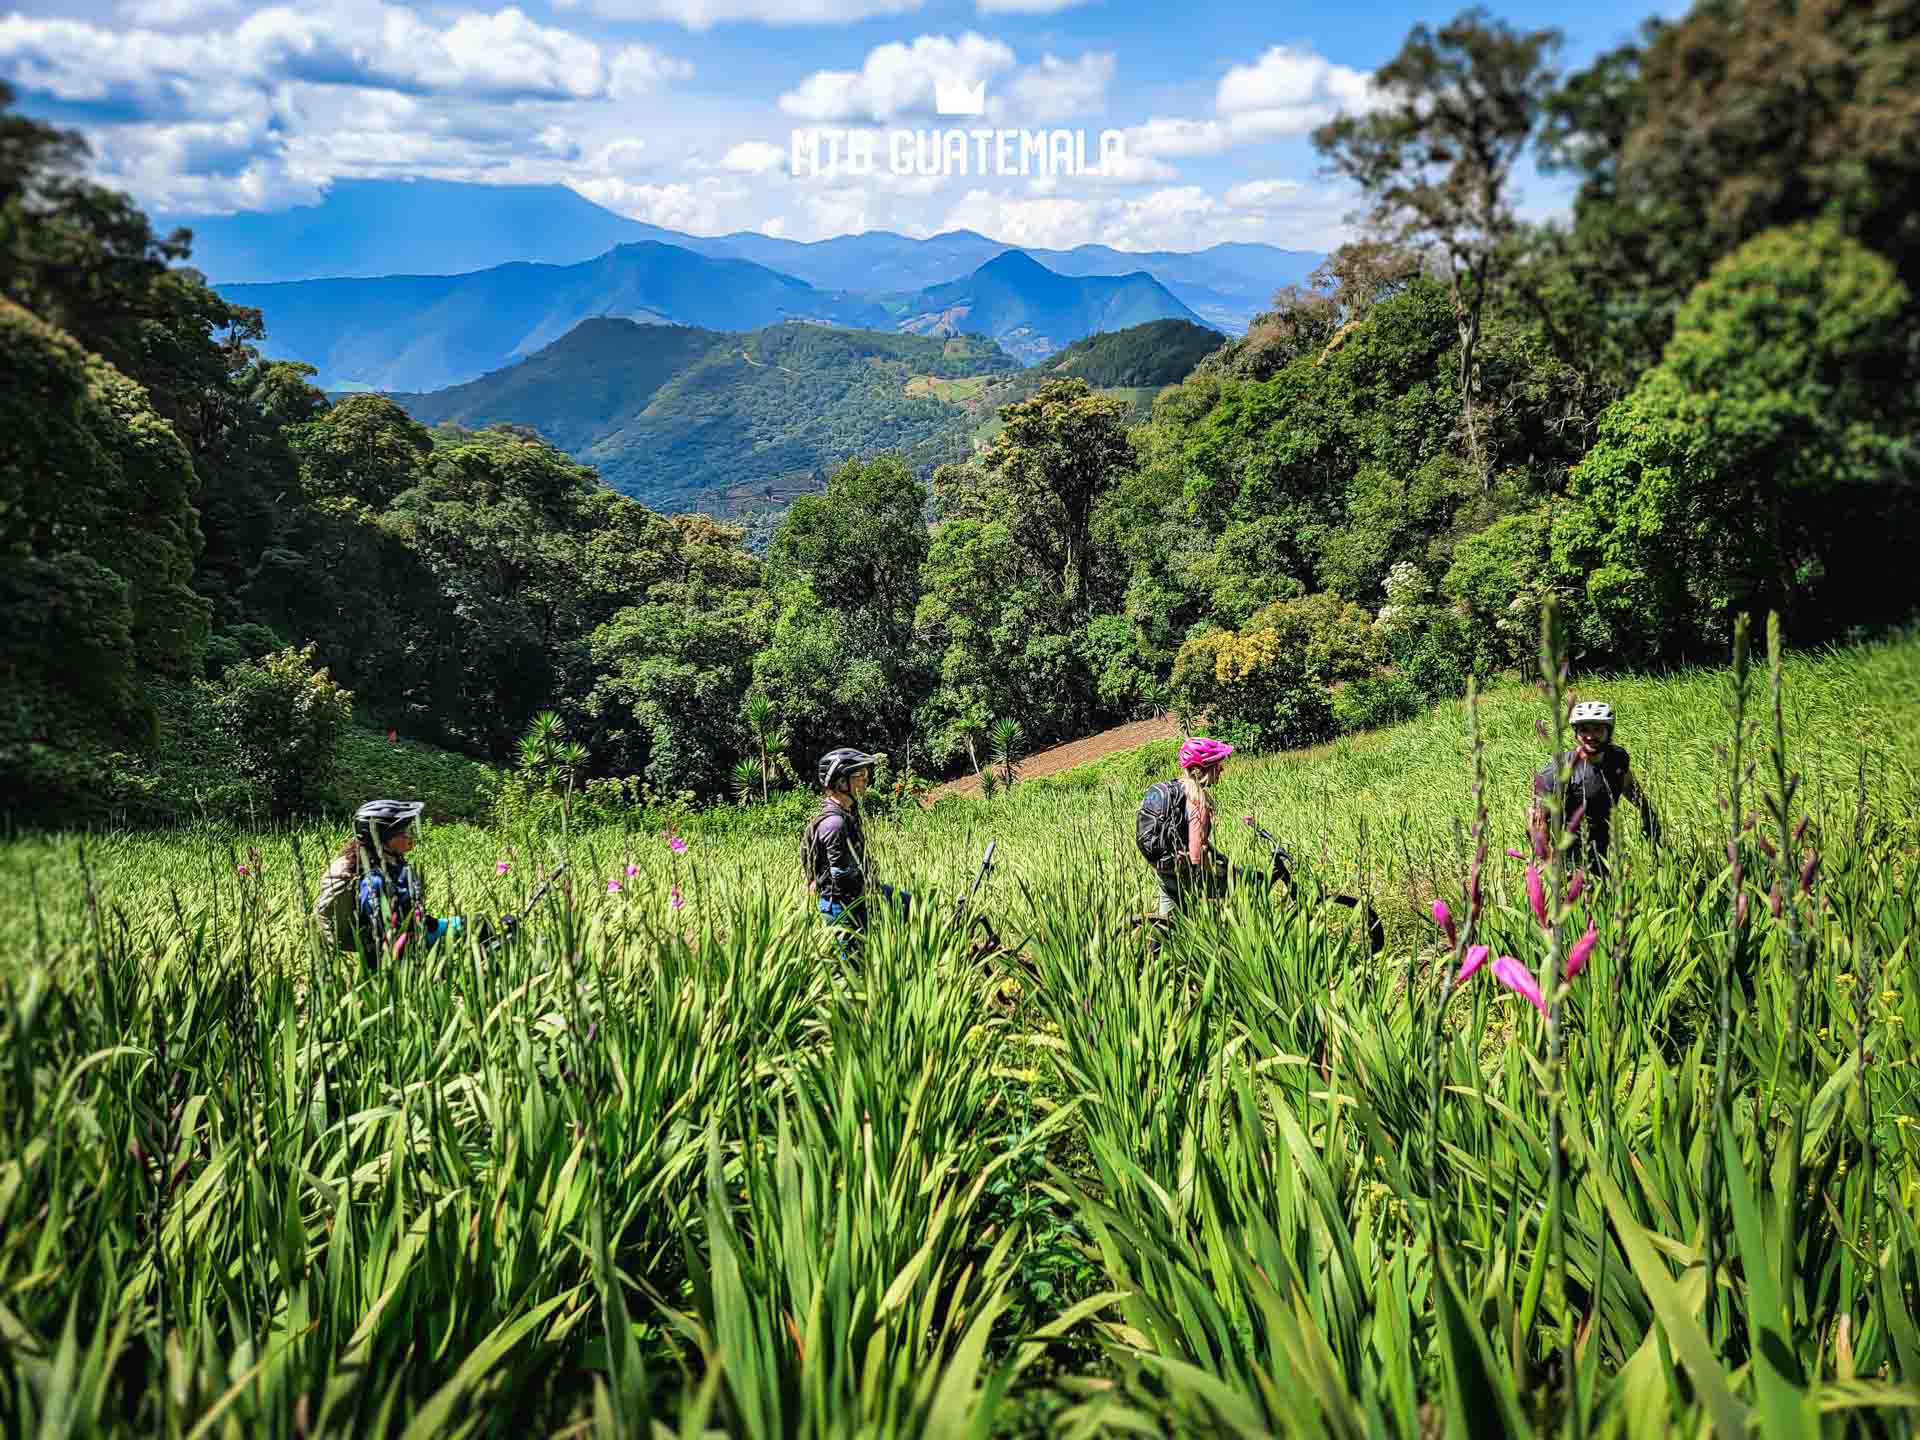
{"x":99,"y":541}
{"x":363,"y":448}
{"x":845,"y":566}
{"x":285,"y":717}
{"x":1435,"y":161}
{"x":1055,"y":457}
{"x":673,"y":672}
{"x":1766,"y":462}
{"x":1269,"y":683}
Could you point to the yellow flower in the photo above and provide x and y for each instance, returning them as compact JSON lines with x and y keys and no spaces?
{"x":1844,"y":978}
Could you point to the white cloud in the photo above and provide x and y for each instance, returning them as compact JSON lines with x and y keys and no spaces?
{"x":638,"y":70}
{"x":1285,"y":79}
{"x":503,"y":55}
{"x":1058,"y":89}
{"x":1264,"y":194}
{"x":1284,"y":93}
{"x":1182,"y":217}
{"x":705,"y":14}
{"x":754,"y":157}
{"x":695,"y":209}
{"x":624,"y":157}
{"x":897,"y":79}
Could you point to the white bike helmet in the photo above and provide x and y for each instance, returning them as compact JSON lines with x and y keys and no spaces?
{"x":1593,"y":711}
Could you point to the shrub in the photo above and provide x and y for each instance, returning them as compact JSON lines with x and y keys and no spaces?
{"x":1383,"y":699}
{"x":453,"y":786}
{"x":284,"y":719}
{"x":1267,"y":684}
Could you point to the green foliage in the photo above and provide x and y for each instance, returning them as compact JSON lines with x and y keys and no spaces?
{"x":1078,"y":1188}
{"x":1769,"y":442}
{"x":364,"y":449}
{"x":1269,"y":684}
{"x":99,"y":540}
{"x":740,"y":411}
{"x":847,"y":565}
{"x":453,"y":786}
{"x":284,"y":717}
{"x":1014,"y":574}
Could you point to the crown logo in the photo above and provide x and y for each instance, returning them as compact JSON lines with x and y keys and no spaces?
{"x":951,"y":97}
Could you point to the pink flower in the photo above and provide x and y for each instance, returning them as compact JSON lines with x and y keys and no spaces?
{"x":1476,"y":957}
{"x":244,"y":871}
{"x":1573,"y":820}
{"x":632,"y":870}
{"x":392,"y":735}
{"x":1537,"y":894}
{"x":1444,"y":919}
{"x":673,"y":898}
{"x":500,"y":867}
{"x":677,"y":845}
{"x":1516,"y":854}
{"x":1576,"y":885}
{"x":1582,"y":950}
{"x":1517,"y":978}
{"x":613,"y":887}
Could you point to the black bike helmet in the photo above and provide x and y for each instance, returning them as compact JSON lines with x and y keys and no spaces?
{"x":844,"y":761}
{"x":374,"y":821}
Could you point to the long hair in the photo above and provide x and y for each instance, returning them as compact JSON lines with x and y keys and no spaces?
{"x":1199,"y":792}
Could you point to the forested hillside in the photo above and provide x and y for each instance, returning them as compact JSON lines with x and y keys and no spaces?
{"x":684,"y":418}
{"x":1697,"y":397}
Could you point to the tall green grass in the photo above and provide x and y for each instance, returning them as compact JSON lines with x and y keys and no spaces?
{"x":661,"y":1169}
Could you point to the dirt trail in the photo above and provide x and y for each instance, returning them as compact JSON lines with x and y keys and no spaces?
{"x":1078,"y":752}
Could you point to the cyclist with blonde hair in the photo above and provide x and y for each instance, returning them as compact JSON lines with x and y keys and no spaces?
{"x":1174,"y":827}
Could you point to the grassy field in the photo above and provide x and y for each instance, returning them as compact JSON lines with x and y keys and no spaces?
{"x":665,"y":1167}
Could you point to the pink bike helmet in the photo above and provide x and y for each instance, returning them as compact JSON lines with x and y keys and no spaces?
{"x":1202,"y":750}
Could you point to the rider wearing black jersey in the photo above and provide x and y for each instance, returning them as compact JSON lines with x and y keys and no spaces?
{"x":1601,"y":776}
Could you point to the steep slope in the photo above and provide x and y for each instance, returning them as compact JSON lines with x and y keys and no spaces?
{"x":684,"y":418}
{"x":422,"y":332}
{"x":1133,"y":365}
{"x":1031,"y":311}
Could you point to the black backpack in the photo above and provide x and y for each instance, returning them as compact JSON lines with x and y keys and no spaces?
{"x":1160,"y":827}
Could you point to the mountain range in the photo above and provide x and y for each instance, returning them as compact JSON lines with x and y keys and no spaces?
{"x":423,"y":332}
{"x":1033,"y":312}
{"x":687,"y":418}
{"x":369,"y":228}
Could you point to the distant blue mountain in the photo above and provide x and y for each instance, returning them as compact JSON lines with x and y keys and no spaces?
{"x":1032,"y":312}
{"x":423,"y":332}
{"x":365,"y":228}
{"x":408,"y":227}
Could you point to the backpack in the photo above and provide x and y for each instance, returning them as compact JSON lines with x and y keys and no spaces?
{"x":337,"y":907}
{"x":813,"y":860}
{"x":1160,"y":826}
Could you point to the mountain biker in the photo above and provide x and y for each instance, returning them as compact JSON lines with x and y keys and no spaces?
{"x":833,"y":847}
{"x":1601,"y":776}
{"x":371,"y":900}
{"x":1190,"y":862}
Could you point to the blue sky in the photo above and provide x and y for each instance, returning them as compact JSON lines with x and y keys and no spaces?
{"x":681,"y":112}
